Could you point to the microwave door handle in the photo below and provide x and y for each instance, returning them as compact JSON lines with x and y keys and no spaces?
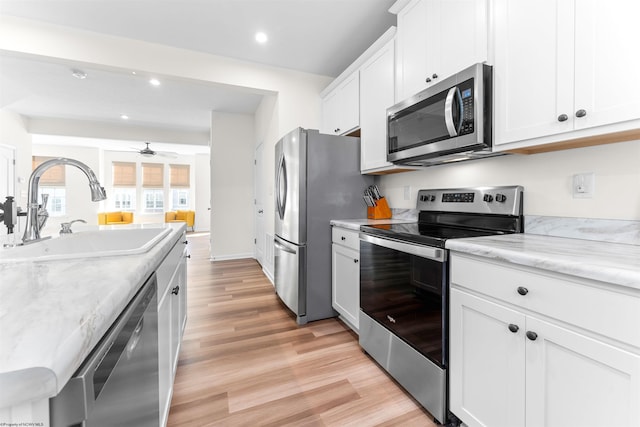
{"x":448,"y":112}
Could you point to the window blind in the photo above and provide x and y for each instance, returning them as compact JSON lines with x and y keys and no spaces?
{"x":152,"y":175}
{"x":180,"y":176}
{"x":54,"y":177}
{"x":124,"y":174}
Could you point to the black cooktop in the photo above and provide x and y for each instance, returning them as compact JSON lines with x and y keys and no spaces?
{"x":425,"y":234}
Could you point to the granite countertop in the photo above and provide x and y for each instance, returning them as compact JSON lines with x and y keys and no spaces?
{"x":614,"y":263}
{"x":354,"y":224}
{"x":52,"y":314}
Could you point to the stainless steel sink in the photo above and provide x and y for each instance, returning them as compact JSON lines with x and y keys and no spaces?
{"x":88,"y":244}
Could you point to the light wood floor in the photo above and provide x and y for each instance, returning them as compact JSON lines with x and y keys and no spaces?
{"x":245,"y":362}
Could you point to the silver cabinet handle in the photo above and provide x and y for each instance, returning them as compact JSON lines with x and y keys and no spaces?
{"x":563,"y":118}
{"x":581,"y":113}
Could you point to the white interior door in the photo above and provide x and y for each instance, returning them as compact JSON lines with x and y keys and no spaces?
{"x":259,"y":189}
{"x":7,"y":172}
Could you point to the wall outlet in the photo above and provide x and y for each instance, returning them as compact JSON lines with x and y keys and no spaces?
{"x":584,"y":185}
{"x":407,"y":192}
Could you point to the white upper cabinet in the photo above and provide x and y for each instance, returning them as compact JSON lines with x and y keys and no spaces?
{"x":563,"y":66}
{"x":341,"y":107}
{"x":437,"y":38}
{"x":376,"y":95}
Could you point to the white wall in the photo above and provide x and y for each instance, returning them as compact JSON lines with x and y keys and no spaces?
{"x":546,"y":177}
{"x":232,"y":147}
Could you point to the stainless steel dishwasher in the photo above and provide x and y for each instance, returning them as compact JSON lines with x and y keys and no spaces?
{"x":117,"y":385}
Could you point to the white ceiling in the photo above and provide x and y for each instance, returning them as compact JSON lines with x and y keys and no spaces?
{"x":316,"y":36}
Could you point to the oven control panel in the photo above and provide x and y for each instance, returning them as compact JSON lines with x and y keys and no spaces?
{"x":506,"y":200}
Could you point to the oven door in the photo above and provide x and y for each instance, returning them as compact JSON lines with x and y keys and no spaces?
{"x":403,"y":287}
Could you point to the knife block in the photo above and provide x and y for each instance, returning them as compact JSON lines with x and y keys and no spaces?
{"x":380,"y":210}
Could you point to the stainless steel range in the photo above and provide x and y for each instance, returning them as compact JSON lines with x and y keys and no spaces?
{"x":404,"y":284}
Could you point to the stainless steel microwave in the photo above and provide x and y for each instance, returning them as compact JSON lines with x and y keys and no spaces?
{"x":448,"y":121}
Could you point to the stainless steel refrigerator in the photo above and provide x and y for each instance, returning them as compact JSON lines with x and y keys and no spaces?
{"x":317,"y":179}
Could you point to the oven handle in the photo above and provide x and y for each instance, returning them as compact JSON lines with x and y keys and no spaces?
{"x":429,"y":252}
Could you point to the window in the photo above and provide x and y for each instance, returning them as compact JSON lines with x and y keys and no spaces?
{"x":153,"y":200}
{"x":152,"y":183}
{"x":124,"y":199}
{"x":52,"y":183}
{"x":180,"y":179}
{"x":56,"y":204}
{"x":123,"y":196}
{"x":180,"y":198}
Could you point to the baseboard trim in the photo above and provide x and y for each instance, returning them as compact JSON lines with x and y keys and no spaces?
{"x":232,"y":256}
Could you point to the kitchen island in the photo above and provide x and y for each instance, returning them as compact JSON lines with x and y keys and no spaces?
{"x":53,"y":313}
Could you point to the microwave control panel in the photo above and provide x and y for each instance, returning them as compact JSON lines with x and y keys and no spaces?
{"x":466,"y":99}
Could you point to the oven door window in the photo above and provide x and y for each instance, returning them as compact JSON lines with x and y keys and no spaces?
{"x":407,"y":295}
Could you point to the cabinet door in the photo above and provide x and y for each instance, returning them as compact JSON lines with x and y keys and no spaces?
{"x":573,"y":380}
{"x":464,"y":35}
{"x":376,"y":95}
{"x":533,"y":68}
{"x":341,"y":107}
{"x":487,"y":359}
{"x":349,"y":118}
{"x":330,"y":113}
{"x":412,"y":49}
{"x":165,"y":361}
{"x":345,"y":283}
{"x":607,"y":61}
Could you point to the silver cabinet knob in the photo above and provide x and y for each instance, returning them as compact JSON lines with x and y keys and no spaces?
{"x":581,"y":113}
{"x":435,"y":76}
{"x":428,"y":80}
{"x":563,"y":118}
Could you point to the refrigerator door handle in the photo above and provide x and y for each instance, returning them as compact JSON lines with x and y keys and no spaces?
{"x":281,"y":181}
{"x":282,"y":247}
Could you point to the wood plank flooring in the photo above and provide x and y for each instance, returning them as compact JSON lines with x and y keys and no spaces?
{"x":245,"y":362}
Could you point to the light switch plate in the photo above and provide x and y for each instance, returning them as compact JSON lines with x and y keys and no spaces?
{"x":584,"y":185}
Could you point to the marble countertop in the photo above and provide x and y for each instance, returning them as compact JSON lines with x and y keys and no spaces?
{"x":52,"y":314}
{"x":354,"y":224}
{"x":614,"y":263}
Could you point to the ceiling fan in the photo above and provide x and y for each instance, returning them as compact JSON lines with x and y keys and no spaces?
{"x":148,"y":152}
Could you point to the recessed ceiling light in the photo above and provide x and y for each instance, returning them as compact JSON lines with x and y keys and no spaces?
{"x":134,"y":73}
{"x":78,"y":74}
{"x":261,"y":37}
{"x":154,"y":82}
{"x":124,"y":117}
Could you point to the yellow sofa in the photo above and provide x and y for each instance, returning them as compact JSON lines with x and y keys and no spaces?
{"x":109,"y":218}
{"x":181,"y":216}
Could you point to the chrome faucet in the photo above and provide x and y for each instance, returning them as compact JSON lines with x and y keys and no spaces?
{"x":65,"y":227}
{"x":37,"y":215}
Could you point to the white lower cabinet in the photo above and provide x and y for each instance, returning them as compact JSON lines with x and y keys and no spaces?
{"x":345,"y":275}
{"x":512,"y":364}
{"x":172,"y":317}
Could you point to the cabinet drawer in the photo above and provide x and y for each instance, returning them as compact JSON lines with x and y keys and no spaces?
{"x":169,"y":265}
{"x":344,"y":237}
{"x":603,"y":311}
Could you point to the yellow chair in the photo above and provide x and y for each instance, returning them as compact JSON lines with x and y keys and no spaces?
{"x":110,"y":218}
{"x":181,"y":216}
